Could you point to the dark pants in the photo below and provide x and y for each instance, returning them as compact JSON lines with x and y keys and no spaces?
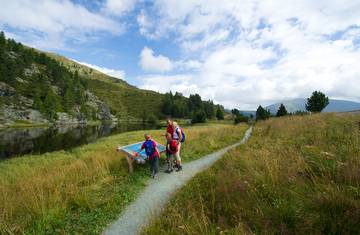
{"x":154,"y":165}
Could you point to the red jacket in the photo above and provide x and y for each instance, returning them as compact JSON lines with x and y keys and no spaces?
{"x":170,"y":129}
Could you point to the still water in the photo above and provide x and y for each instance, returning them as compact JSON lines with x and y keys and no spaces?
{"x":37,"y":140}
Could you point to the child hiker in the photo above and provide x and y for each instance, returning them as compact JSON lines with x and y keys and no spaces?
{"x":152,"y":152}
{"x":171,"y":151}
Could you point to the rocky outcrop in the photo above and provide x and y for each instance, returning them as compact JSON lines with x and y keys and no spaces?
{"x":103,"y":111}
{"x":11,"y":113}
{"x":65,"y":118}
{"x":22,"y":110}
{"x":6,"y":90}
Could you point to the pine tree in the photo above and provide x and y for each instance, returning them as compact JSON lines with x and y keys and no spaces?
{"x":209,"y":109}
{"x":317,"y":102}
{"x":2,"y":39}
{"x":262,"y":114}
{"x":219,"y":114}
{"x":281,"y":111}
{"x":69,"y":100}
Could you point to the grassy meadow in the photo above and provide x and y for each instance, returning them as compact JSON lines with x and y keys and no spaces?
{"x":296,"y":175}
{"x":82,"y":190}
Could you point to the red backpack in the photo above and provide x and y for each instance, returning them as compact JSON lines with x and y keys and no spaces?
{"x":173,"y":146}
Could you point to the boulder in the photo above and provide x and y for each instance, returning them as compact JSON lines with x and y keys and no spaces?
{"x":6,"y":90}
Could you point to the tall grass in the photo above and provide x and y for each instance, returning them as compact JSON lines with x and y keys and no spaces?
{"x":82,"y":190}
{"x":296,"y":175}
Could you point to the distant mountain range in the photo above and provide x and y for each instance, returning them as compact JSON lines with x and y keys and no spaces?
{"x":299,"y":104}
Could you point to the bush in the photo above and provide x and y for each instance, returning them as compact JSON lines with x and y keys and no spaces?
{"x":240,"y":118}
{"x":152,"y":119}
{"x":199,"y":117}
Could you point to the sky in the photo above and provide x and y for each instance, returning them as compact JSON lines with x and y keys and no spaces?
{"x":239,"y":53}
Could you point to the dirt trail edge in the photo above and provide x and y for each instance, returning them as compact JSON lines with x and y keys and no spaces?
{"x":152,"y":200}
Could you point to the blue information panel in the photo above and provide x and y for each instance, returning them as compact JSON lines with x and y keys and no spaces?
{"x":132,"y":149}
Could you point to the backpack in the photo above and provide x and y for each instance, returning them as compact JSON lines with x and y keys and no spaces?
{"x":182,"y":134}
{"x":149,"y":147}
{"x":173,"y":146}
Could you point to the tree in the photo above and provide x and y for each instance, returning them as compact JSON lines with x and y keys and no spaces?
{"x":199,"y":117}
{"x":219,"y":114}
{"x":51,"y":105}
{"x":240,"y":118}
{"x":281,"y":111}
{"x":195,"y":102}
{"x":236,"y":112}
{"x":209,"y":109}
{"x":317,"y":102}
{"x":2,"y":38}
{"x":69,"y":100}
{"x":262,"y":114}
{"x":167,"y":106}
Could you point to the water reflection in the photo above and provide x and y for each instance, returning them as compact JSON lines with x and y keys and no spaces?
{"x":46,"y":139}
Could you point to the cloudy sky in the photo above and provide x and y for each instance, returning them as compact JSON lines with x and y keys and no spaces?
{"x":240,"y":53}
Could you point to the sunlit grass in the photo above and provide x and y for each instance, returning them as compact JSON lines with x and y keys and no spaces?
{"x":82,"y":190}
{"x":296,"y":175}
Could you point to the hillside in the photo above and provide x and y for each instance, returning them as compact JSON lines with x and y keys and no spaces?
{"x":296,"y":175}
{"x":124,"y":100}
{"x":38,"y":87}
{"x":299,"y":105}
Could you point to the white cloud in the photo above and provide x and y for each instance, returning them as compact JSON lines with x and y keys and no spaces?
{"x":58,"y":21}
{"x":111,"y":72}
{"x":257,"y":52}
{"x":153,"y":63}
{"x":119,"y":7}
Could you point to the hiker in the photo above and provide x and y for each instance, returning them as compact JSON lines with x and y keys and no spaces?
{"x":170,"y":127}
{"x":172,"y":149}
{"x":169,"y":130}
{"x":152,"y":152}
{"x":179,"y":137}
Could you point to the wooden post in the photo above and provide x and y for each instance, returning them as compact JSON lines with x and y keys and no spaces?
{"x":130,"y":161}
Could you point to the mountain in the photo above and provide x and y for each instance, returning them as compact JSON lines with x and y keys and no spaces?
{"x":299,"y":104}
{"x":38,"y":87}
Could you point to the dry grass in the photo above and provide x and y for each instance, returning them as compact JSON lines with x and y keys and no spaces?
{"x":296,"y":175}
{"x":82,"y":190}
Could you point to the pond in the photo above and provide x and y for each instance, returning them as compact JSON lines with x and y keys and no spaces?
{"x":38,"y":140}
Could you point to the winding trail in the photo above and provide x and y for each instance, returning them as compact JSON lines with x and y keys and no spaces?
{"x":152,"y":200}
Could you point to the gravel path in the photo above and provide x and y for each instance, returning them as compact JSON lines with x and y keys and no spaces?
{"x":158,"y":192}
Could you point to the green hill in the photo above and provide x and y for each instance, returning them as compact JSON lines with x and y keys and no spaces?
{"x":38,"y":87}
{"x":125,"y":101}
{"x":42,"y":87}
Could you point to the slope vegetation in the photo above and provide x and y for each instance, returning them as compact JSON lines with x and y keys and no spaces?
{"x":296,"y":175}
{"x":42,"y":87}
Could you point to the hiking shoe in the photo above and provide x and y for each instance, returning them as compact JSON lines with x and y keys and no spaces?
{"x":154,"y":176}
{"x":168,"y":171}
{"x":179,"y":168}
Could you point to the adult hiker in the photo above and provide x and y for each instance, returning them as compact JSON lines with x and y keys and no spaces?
{"x":152,"y":152}
{"x":170,"y":127}
{"x":179,"y":137}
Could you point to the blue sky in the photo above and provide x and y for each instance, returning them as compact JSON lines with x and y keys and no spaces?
{"x":240,"y":53}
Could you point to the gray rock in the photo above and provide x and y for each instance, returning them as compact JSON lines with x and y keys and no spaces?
{"x":10,"y":114}
{"x":65,"y":118}
{"x":6,"y":90}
